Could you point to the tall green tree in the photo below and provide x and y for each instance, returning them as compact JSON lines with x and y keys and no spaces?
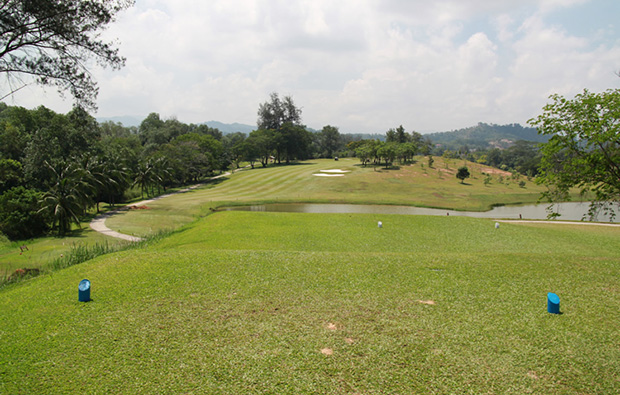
{"x":275,"y":112}
{"x":249,"y":152}
{"x":11,"y":174}
{"x":68,"y":192}
{"x":233,"y":146}
{"x":51,"y":42}
{"x":462,"y":173}
{"x":329,"y":141}
{"x":145,"y":175}
{"x":292,"y":142}
{"x":388,"y":151}
{"x":584,"y":149}
{"x":423,"y":144}
{"x":289,"y":139}
{"x":15,"y":125}
{"x":56,"y":138}
{"x":194,"y":156}
{"x":262,"y":141}
{"x":401,"y":136}
{"x":106,"y":175}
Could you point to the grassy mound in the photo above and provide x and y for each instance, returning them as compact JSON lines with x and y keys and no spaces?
{"x":296,"y":303}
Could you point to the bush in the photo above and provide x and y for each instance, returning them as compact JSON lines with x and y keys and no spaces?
{"x":20,"y":217}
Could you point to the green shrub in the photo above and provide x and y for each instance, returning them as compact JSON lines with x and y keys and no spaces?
{"x":20,"y":217}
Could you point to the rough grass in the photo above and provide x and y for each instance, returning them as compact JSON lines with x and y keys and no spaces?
{"x":303,"y":303}
{"x":41,"y":252}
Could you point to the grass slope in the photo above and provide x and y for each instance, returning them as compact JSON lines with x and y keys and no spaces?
{"x":295,"y":303}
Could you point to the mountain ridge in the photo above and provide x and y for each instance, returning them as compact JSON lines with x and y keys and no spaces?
{"x":486,"y":136}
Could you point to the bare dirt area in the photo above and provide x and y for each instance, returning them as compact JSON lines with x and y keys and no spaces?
{"x":493,"y":171}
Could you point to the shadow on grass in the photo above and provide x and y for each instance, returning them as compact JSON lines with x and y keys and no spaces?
{"x":272,"y":165}
{"x":388,"y":169}
{"x":75,"y":233}
{"x":215,"y":181}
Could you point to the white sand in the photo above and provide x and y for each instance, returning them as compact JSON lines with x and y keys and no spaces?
{"x":335,"y":171}
{"x":328,"y":175}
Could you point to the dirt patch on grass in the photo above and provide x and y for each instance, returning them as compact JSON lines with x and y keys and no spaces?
{"x":428,"y":302}
{"x":493,"y":171}
{"x":134,"y":207}
{"x":327,"y":351}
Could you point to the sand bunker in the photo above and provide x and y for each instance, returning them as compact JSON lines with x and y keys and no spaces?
{"x":331,"y":173}
{"x":336,"y":171}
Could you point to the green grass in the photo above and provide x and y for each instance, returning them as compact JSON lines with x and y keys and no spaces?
{"x":244,"y":302}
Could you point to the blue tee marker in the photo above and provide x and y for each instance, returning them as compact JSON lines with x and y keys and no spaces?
{"x":84,"y":291}
{"x":553,"y":303}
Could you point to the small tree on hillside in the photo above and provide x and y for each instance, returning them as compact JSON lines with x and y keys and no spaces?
{"x":462,"y":174}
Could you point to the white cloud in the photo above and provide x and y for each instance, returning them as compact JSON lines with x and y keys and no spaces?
{"x":365,"y":66}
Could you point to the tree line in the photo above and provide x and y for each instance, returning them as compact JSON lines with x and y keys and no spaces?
{"x":55,"y":168}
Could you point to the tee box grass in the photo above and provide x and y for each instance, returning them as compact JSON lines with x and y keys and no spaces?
{"x":251,"y":303}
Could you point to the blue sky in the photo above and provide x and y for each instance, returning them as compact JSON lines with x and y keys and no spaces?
{"x":364,"y":66}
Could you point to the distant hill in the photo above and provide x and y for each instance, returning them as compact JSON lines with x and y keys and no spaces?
{"x":225,"y":128}
{"x":126,"y":120}
{"x":228,"y":128}
{"x":484,"y":136}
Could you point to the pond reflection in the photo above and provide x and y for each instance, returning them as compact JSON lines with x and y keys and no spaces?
{"x":570,"y":211}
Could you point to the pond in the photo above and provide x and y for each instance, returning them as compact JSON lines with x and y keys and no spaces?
{"x":570,"y":211}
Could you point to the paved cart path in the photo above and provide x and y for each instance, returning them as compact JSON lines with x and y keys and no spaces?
{"x":98,"y":223}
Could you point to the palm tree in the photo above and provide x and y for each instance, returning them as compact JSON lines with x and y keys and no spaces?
{"x":118,"y":175}
{"x":106,"y":175}
{"x":68,"y":194}
{"x":142,"y":177}
{"x":151,"y":173}
{"x":161,"y":172}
